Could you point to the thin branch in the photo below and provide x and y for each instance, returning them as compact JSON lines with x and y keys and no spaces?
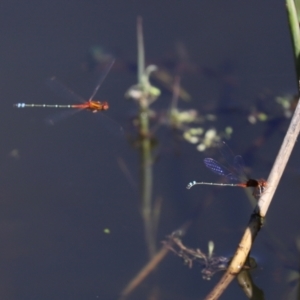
{"x":144,"y":272}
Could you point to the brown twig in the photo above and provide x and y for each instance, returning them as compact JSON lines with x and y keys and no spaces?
{"x":152,"y":264}
{"x":144,"y":272}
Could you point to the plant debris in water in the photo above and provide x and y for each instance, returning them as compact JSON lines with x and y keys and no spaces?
{"x":211,"y":263}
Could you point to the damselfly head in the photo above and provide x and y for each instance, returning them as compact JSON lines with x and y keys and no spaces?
{"x":105,"y":105}
{"x":260,"y":188}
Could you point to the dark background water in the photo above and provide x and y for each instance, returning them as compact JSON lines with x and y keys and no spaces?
{"x":66,"y":187}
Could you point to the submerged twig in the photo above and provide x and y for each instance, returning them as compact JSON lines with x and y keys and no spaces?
{"x":152,"y":264}
{"x":144,"y":272}
{"x":210,"y":262}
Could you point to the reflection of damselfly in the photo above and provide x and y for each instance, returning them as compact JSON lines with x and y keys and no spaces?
{"x":90,"y":104}
{"x":234,"y":173}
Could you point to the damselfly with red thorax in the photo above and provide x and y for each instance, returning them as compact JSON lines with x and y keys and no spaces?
{"x":235,"y":172}
{"x":90,"y":104}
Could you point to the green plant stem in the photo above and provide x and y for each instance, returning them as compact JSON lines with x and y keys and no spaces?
{"x":295,"y":33}
{"x":141,"y":51}
{"x":145,"y":148}
{"x":147,"y":181}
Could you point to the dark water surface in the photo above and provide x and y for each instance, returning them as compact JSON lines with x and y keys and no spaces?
{"x":66,"y":185}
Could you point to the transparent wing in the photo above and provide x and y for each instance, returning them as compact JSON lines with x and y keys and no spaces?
{"x":235,"y":163}
{"x":226,"y":153}
{"x":101,"y":79}
{"x":219,"y":169}
{"x":111,"y":125}
{"x":239,"y":166}
{"x":61,"y":90}
{"x":60,"y":116}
